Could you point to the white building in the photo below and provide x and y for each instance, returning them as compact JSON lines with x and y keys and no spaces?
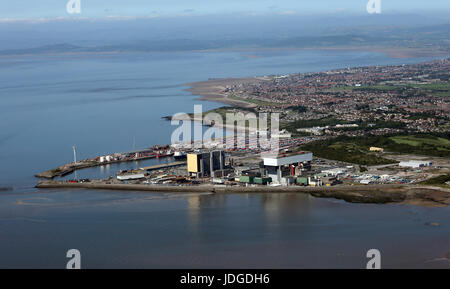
{"x":415,"y":164}
{"x":346,"y":125}
{"x":282,"y":134}
{"x":275,"y":165}
{"x":313,"y":130}
{"x":335,"y":172}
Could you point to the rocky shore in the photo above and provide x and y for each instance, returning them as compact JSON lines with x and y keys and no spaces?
{"x":373,"y":194}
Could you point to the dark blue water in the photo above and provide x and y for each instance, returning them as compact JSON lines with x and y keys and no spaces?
{"x":100,"y":103}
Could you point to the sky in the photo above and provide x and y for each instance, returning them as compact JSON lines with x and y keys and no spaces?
{"x":34,"y":9}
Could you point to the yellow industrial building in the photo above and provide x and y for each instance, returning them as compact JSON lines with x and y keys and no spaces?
{"x":376,"y":149}
{"x":204,"y":164}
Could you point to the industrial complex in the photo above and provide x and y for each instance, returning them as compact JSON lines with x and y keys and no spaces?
{"x":221,"y":167}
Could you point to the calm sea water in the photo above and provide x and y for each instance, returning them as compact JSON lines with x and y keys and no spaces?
{"x":100,"y":103}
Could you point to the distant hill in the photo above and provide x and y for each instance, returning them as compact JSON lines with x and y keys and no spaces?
{"x":47,"y":49}
{"x":433,"y":37}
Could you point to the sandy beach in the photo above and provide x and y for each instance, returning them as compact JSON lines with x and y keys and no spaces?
{"x":213,"y":90}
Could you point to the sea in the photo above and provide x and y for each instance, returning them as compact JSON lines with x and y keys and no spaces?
{"x":115,"y":102}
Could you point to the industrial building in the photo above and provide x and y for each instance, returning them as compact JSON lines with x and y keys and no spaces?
{"x":376,"y":149}
{"x":205,"y":164}
{"x":335,"y":172}
{"x":283,"y":167}
{"x":415,"y":164}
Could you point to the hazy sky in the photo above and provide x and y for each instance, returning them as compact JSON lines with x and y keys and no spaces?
{"x":26,"y":9}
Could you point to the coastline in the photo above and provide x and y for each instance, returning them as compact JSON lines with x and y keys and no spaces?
{"x":371,"y":194}
{"x":394,"y":52}
{"x":212,"y":90}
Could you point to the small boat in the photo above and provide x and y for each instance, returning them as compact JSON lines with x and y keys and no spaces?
{"x":128,"y":177}
{"x":179,"y":155}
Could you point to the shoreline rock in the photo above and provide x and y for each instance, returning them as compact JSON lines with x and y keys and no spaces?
{"x":374,"y":194}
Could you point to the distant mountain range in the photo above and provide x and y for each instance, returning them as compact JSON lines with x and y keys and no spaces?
{"x":434,"y":37}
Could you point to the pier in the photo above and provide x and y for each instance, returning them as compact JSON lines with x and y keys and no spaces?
{"x":163,"y":166}
{"x":136,"y":155}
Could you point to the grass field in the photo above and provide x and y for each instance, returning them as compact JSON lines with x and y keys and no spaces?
{"x":254,"y":101}
{"x":442,"y":86}
{"x":346,"y":152}
{"x":416,"y":141}
{"x":356,"y":149}
{"x":421,"y":144}
{"x":440,"y":89}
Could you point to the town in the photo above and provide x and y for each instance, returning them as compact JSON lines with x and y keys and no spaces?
{"x":384,"y":98}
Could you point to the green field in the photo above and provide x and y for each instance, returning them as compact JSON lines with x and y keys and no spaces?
{"x":255,"y":101}
{"x":421,"y":144}
{"x":304,"y":123}
{"x":438,"y":143}
{"x":356,"y":149}
{"x":440,"y":89}
{"x":346,"y":152}
{"x":441,"y":86}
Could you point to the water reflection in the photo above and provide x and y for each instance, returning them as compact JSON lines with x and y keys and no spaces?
{"x":257,"y":215}
{"x":199,"y":209}
{"x":280,"y":206}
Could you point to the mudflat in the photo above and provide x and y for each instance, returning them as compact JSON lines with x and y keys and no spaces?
{"x":376,"y":194}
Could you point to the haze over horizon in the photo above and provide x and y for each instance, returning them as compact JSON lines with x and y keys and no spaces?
{"x":23,"y":10}
{"x":137,"y":25}
{"x":225,"y":31}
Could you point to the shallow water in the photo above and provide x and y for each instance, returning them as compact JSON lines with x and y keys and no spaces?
{"x":151,"y":230}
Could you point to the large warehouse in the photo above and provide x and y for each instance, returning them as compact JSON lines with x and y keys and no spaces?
{"x":415,"y":164}
{"x":286,"y":165}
